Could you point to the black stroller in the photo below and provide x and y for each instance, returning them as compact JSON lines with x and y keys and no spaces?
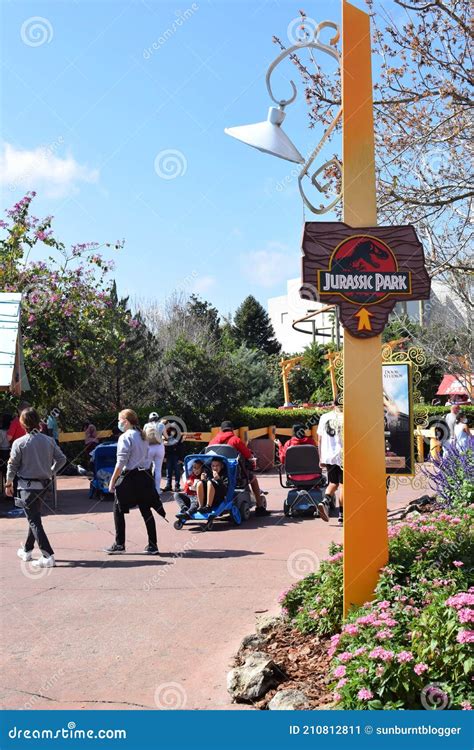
{"x":304,"y":479}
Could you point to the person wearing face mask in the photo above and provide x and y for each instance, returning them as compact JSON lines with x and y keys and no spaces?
{"x":462,"y":433}
{"x":133,"y":484}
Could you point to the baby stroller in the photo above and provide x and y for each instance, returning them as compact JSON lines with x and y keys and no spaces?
{"x":237,"y":502}
{"x":304,"y":479}
{"x":104,"y":460}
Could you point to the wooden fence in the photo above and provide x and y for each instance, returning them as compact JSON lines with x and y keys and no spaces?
{"x":271,"y":432}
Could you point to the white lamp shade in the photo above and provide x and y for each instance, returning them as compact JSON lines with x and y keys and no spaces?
{"x":268,"y":137}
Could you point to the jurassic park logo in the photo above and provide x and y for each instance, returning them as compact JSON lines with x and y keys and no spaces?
{"x":364,"y":271}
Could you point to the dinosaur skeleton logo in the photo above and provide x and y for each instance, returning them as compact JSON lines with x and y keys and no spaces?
{"x":363,"y":269}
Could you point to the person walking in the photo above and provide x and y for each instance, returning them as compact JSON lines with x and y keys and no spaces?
{"x":226,"y":437}
{"x":133,"y":483}
{"x":154,"y":431}
{"x":34,"y":459}
{"x":330,"y":456}
{"x":462,"y":433}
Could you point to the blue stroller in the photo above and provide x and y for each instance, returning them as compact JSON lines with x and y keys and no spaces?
{"x":237,"y":502}
{"x":104,"y":459}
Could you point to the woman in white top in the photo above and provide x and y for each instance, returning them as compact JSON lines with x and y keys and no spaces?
{"x":135,"y":486}
{"x":462,"y":433}
{"x":154,"y":430}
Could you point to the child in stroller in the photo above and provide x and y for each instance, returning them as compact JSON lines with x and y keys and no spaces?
{"x":217,"y":485}
{"x":193,"y":496}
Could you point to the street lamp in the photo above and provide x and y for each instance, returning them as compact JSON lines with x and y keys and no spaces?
{"x":269,"y":137}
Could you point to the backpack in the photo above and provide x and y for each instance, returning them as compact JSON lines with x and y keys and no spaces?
{"x":152,"y":435}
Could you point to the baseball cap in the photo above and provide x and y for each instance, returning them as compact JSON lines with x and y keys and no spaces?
{"x":227,"y":426}
{"x":153,"y":415}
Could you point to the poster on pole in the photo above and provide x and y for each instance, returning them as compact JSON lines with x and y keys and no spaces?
{"x":398,"y":419}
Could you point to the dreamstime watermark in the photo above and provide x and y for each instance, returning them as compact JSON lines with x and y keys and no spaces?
{"x":301,"y":30}
{"x":170,"y":696}
{"x":170,"y":163}
{"x":171,"y":420}
{"x":434,"y":697}
{"x":155,"y":579}
{"x":47,"y":685}
{"x":433,"y":162}
{"x":301,"y":563}
{"x":181,"y":18}
{"x":36,"y":31}
{"x":69,"y":732}
{"x":34,"y":572}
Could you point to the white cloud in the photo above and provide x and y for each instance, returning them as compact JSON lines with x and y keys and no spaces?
{"x":42,"y":170}
{"x":272,"y":265}
{"x":203,"y":283}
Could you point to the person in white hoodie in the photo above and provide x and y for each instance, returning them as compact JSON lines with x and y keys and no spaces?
{"x":154,"y":431}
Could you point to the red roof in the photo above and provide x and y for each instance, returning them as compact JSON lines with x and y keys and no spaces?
{"x":451,"y":386}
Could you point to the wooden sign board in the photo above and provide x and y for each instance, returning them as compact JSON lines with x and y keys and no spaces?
{"x":364,"y":271}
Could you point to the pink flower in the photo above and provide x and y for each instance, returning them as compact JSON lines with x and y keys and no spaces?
{"x":351,"y":629}
{"x":384,"y":605}
{"x":466,"y":615}
{"x":404,"y":656}
{"x":345,"y":656}
{"x":465,"y":636}
{"x":458,"y":563}
{"x":360,"y":650}
{"x":324,"y":611}
{"x":466,"y":706}
{"x":382,"y":635}
{"x":341,"y":683}
{"x":335,"y":558}
{"x":361,"y":670}
{"x":366,"y":620}
{"x":337,"y":697}
{"x":420,"y":668}
{"x":365,"y":695}
{"x":379,"y":670}
{"x":381,"y":653}
{"x":339,"y":671}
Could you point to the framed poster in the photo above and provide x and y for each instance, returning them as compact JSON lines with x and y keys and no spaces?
{"x":398,"y":418}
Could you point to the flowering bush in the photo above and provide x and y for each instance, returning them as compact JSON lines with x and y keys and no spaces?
{"x":453,"y":478}
{"x":409,"y":648}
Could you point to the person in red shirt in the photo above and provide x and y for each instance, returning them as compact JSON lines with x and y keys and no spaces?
{"x":16,"y":429}
{"x":226,"y":437}
{"x":298,"y":438}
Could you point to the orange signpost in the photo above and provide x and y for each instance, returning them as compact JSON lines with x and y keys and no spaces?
{"x":365,"y":505}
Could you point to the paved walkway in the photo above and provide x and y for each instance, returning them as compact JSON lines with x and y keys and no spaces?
{"x":134,"y":631}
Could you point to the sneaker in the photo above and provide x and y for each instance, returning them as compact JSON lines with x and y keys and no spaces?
{"x":151,"y":549}
{"x":323,"y":510}
{"x":115,"y":549}
{"x":340,"y":519}
{"x":168,"y":488}
{"x":261,"y":511}
{"x":80,"y":470}
{"x":25,"y":556}
{"x":44,"y":562}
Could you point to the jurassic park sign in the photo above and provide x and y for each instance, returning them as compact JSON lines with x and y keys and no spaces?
{"x":364,"y":271}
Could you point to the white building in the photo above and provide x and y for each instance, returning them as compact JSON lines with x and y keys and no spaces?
{"x":289,"y":307}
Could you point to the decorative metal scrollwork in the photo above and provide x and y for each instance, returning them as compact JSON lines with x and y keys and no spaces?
{"x":331,"y":50}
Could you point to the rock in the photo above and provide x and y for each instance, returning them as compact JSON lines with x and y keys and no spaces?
{"x":252,"y":680}
{"x":289,"y":700}
{"x":267,"y":623}
{"x":252,"y":641}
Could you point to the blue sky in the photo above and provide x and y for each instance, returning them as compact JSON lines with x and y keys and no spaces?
{"x":110,"y":91}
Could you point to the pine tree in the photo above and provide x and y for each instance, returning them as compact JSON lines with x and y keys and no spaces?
{"x":252,"y":327}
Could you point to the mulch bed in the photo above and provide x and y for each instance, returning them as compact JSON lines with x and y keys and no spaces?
{"x":304,"y":663}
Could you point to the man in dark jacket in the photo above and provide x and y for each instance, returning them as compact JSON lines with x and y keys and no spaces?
{"x":226,"y":437}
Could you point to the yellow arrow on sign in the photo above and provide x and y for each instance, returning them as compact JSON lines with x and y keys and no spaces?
{"x":364,"y":319}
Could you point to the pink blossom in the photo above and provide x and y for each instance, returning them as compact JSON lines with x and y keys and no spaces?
{"x":460,"y":600}
{"x":379,"y":670}
{"x":351,"y":629}
{"x":420,"y":668}
{"x":335,"y":558}
{"x":382,"y":635}
{"x":404,"y":656}
{"x":339,"y":671}
{"x":337,"y":697}
{"x":380,"y":653}
{"x":466,"y":615}
{"x":324,"y":611}
{"x":458,"y":563}
{"x":466,"y":706}
{"x":341,"y":683}
{"x":361,"y":670}
{"x":366,"y":620}
{"x":345,"y":656}
{"x":465,"y":636}
{"x":360,"y":650}
{"x":365,"y":695}
{"x":384,"y":605}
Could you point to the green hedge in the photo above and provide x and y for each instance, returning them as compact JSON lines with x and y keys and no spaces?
{"x":253,"y":418}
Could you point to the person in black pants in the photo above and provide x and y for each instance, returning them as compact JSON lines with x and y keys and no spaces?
{"x":174,"y":456}
{"x":34,"y":458}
